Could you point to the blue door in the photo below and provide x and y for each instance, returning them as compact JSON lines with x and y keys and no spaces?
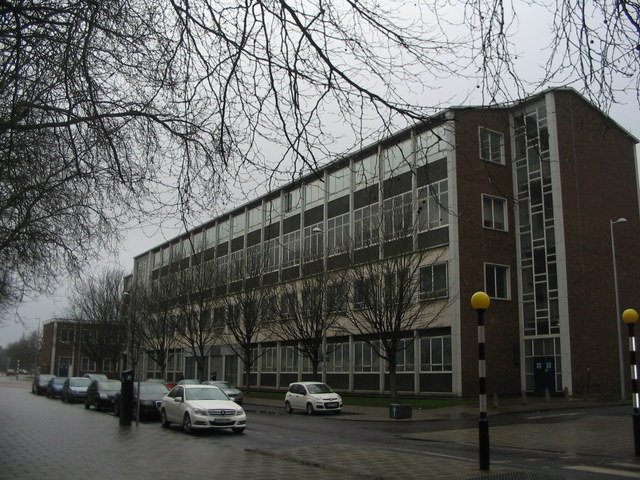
{"x":544,"y":374}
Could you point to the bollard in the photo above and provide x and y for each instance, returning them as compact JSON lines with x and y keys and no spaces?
{"x":566,"y":393}
{"x":547,"y":397}
{"x":524,"y":397}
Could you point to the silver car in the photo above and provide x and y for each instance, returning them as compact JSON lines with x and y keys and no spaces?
{"x":232,"y":392}
{"x":74,"y":389}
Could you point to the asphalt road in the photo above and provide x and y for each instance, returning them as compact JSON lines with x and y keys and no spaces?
{"x":42,"y":436}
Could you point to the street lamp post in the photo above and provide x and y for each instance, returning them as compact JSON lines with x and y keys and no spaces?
{"x":623,"y":391}
{"x":480,"y":302}
{"x":630,"y":317}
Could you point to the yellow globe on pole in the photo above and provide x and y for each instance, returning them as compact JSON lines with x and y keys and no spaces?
{"x":629,"y":316}
{"x":480,"y":301}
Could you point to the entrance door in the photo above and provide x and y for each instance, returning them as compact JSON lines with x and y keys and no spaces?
{"x":544,"y":374}
{"x":63,"y":368}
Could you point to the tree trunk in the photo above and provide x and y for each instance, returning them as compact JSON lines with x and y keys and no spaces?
{"x":393,"y":383}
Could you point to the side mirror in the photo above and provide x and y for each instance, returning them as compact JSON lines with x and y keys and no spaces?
{"x":178,"y":399}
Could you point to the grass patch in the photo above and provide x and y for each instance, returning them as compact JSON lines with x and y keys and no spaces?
{"x":371,"y":401}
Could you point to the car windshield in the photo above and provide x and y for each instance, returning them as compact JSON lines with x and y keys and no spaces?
{"x":319,"y":388}
{"x":58,"y":380}
{"x":154,"y":388}
{"x":205,"y":394}
{"x":110,"y":385}
{"x":79,"y":382}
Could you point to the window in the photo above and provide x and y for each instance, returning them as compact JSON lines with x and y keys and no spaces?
{"x":269,"y":359}
{"x":496,"y":281}
{"x":314,"y":193}
{"x":433,"y":281}
{"x":272,"y":211}
{"x":435,"y":354}
{"x":219,"y":318}
{"x":108,"y":365}
{"x":237,"y":265}
{"x":291,"y":201}
{"x":254,"y":260}
{"x":405,"y":356}
{"x":238,"y":225}
{"x":365,"y":358}
{"x":433,"y":205}
{"x":223,"y":232}
{"x":336,"y":298}
{"x":223,"y":263}
{"x":398,"y":215}
{"x":362,"y":292}
{"x":366,"y":172}
{"x":291,"y":249}
{"x":210,"y":237}
{"x":313,"y":241}
{"x":337,"y":357}
{"x":397,"y":159}
{"x":491,"y":146}
{"x":366,"y":223}
{"x":157,"y":259}
{"x":255,"y":218}
{"x":87,"y":364}
{"x":338,"y":234}
{"x":288,"y":359}
{"x":198,"y":241}
{"x":66,"y":334}
{"x":494,"y":213}
{"x":339,"y":182}
{"x":272,"y":255}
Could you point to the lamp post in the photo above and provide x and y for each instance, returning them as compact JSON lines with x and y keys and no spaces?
{"x":480,"y":302}
{"x":318,"y":230}
{"x":623,"y":391}
{"x":630,"y":317}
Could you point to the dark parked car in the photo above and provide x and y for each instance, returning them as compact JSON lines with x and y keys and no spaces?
{"x":54,"y":387}
{"x":101,"y":394}
{"x":74,"y":389}
{"x":39,"y":385}
{"x":232,"y":392}
{"x":150,"y":396}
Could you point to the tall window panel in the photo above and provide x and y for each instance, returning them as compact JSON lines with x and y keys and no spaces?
{"x":433,"y":205}
{"x":338,"y":234}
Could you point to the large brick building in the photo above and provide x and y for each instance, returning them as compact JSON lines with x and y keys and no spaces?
{"x":519,"y":200}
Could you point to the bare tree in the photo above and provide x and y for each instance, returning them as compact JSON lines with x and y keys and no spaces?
{"x":154,"y":319}
{"x":193,"y":308}
{"x":97,"y":303}
{"x":391,"y":297}
{"x":306,"y":311}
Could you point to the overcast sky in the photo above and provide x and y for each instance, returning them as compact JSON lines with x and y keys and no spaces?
{"x":33,"y":313}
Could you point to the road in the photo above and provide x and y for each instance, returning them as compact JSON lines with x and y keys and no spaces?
{"x":44,"y":434}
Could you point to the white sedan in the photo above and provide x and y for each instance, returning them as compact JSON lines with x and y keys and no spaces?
{"x":201,"y":407}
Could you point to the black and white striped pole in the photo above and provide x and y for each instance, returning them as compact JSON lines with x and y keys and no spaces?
{"x":480,"y":302}
{"x":630,"y":317}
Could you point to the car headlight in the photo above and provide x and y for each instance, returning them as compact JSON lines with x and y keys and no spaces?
{"x":104,"y":396}
{"x":240,"y":411}
{"x":199,"y":411}
{"x":147,"y":403}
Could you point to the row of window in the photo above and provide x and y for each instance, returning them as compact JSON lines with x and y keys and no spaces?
{"x":89,"y":365}
{"x":358,"y":357}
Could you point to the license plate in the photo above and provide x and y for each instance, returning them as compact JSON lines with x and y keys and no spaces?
{"x":331,"y":405}
{"x":222,"y":421}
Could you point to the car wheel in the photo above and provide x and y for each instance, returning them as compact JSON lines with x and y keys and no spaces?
{"x":116,"y":408}
{"x":97,"y":405}
{"x":86,"y":405}
{"x":238,"y":429}
{"x":33,"y":390}
{"x":163,"y":419}
{"x":287,"y":407}
{"x":186,"y":423}
{"x":309,"y":409}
